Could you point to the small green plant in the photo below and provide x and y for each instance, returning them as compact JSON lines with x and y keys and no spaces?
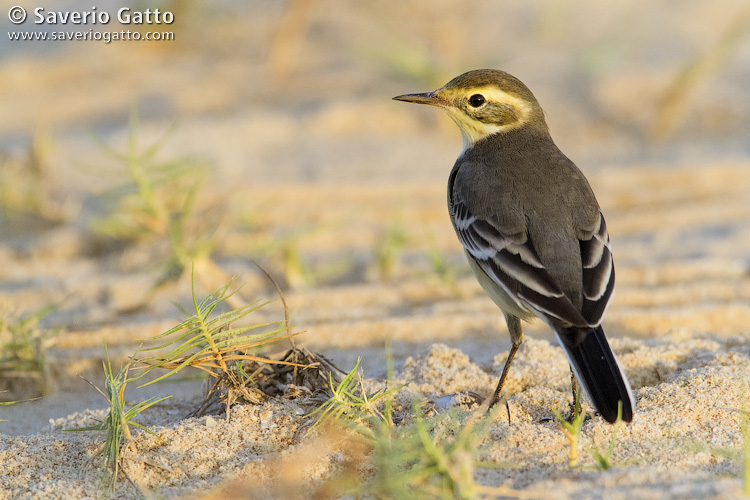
{"x":431,"y":457}
{"x":444,"y":270}
{"x":440,"y":266}
{"x":739,"y":455}
{"x":742,"y":455}
{"x":389,"y":250}
{"x":603,"y":459}
{"x":296,"y":272}
{"x":119,"y":419}
{"x":351,"y":406}
{"x":284,"y":252}
{"x":745,"y":428}
{"x":695,"y":72}
{"x":24,"y":346}
{"x":157,"y":202}
{"x":27,"y":186}
{"x":209,"y":343}
{"x":572,"y":428}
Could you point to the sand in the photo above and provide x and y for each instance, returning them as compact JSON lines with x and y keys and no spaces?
{"x":306,"y":155}
{"x":685,"y":441}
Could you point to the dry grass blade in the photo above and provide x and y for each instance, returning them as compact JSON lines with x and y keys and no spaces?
{"x":695,"y":71}
{"x":255,"y":381}
{"x":288,"y":40}
{"x":283,"y":301}
{"x":6,"y":403}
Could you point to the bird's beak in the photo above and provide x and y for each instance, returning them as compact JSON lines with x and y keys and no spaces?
{"x":432,"y":98}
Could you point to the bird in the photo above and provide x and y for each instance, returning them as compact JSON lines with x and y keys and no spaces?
{"x":532,"y":229}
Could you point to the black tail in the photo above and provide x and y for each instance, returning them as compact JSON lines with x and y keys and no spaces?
{"x":597,"y":370}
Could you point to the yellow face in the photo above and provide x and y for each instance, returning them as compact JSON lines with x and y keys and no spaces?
{"x":479,"y":111}
{"x":482,"y":111}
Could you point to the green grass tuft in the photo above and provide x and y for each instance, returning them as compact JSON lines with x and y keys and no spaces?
{"x":389,"y":250}
{"x":23,"y":350}
{"x":603,"y":459}
{"x":157,"y":201}
{"x":119,"y":419}
{"x":572,"y":429}
{"x":429,"y":457}
{"x":207,"y":341}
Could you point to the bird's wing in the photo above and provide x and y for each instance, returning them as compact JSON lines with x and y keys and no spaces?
{"x":598,"y":272}
{"x":511,"y":261}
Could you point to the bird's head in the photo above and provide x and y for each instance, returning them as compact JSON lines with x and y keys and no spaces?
{"x":485,"y":102}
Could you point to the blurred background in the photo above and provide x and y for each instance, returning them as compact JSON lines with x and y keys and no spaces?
{"x":265,"y":131}
{"x":287,"y":82}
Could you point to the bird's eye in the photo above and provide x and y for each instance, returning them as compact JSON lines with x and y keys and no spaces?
{"x":476,"y":100}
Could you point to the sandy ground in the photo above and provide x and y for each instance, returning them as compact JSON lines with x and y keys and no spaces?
{"x":678,"y":325}
{"x":320,"y":162}
{"x":690,"y":390}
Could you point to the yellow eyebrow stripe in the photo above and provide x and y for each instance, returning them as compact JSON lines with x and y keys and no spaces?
{"x":473,"y":130}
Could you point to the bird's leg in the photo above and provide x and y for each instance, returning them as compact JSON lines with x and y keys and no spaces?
{"x":575,"y":406}
{"x":516,"y":336}
{"x":496,"y":395}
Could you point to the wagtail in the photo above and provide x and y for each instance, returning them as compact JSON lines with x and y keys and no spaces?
{"x":531,"y":228}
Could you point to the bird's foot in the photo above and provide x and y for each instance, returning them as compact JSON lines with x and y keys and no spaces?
{"x":571,"y":418}
{"x":492,"y":405}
